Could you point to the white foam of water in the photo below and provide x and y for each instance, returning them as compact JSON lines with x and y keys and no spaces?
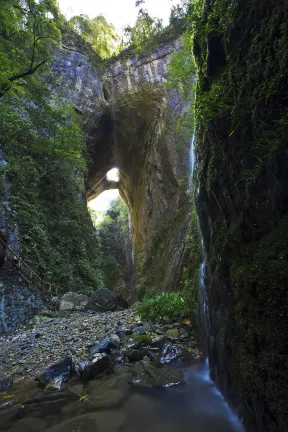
{"x":131,"y":238}
{"x":192,"y":159}
{"x":204,"y":375}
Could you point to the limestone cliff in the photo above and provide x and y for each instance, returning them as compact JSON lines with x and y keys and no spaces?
{"x":137,"y":134}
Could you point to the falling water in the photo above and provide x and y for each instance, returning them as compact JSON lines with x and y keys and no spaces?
{"x":131,"y":239}
{"x":192,"y":159}
{"x":203,"y":294}
{"x":202,"y":283}
{"x":204,"y":305}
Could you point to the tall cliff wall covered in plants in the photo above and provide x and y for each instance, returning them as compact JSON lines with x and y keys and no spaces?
{"x":241,"y":119}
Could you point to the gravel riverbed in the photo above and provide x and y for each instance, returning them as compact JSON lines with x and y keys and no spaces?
{"x":26,"y":353}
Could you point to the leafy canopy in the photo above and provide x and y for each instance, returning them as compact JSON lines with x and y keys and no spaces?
{"x":101,"y":35}
{"x":29,"y":31}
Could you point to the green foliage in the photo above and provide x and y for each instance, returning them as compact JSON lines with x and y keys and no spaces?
{"x":45,"y":148}
{"x":181,"y":79}
{"x":29,"y":31}
{"x":145,"y":29}
{"x":171,"y":305}
{"x":101,"y":35}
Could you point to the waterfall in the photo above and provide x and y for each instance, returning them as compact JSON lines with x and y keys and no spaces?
{"x":202,"y":282}
{"x":192,"y":159}
{"x":205,"y":372}
{"x":131,"y":239}
{"x":3,"y":324}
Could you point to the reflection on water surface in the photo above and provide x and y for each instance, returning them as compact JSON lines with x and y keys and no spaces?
{"x":114,"y":405}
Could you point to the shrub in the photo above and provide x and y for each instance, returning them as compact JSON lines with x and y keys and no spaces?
{"x":171,"y":305}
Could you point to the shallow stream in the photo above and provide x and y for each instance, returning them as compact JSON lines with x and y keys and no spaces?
{"x":113,"y":404}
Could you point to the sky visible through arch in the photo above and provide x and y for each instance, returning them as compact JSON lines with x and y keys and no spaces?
{"x":103,"y":202}
{"x":118,"y":12}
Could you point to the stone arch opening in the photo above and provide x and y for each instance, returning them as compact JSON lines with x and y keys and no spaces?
{"x":135,"y":134}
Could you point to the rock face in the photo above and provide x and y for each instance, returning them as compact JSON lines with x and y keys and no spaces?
{"x":242,"y":153}
{"x":137,"y":134}
{"x":81,"y":84}
{"x":18,"y":303}
{"x":72,"y":301}
{"x":130,"y":71}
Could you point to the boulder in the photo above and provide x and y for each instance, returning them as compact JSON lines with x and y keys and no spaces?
{"x":101,"y":364}
{"x":105,"y":300}
{"x":62,"y":370}
{"x":134,"y":355}
{"x":174,"y":354}
{"x":147,"y":375}
{"x":172,"y":334}
{"x":72,"y":301}
{"x":106,"y":345}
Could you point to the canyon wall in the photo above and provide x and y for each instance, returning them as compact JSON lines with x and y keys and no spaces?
{"x":241,"y":108}
{"x":137,"y":134}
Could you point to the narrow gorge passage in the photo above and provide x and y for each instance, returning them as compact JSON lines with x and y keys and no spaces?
{"x":143,"y":216}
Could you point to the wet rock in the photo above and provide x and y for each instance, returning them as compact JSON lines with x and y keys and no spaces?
{"x":55,"y":384}
{"x":62,"y":369}
{"x":141,"y":331}
{"x":106,"y":345}
{"x":172,"y":334}
{"x":134,"y":355}
{"x":7,"y":404}
{"x":183,"y":334}
{"x":151,"y":353}
{"x":101,"y":364}
{"x":140,"y":340}
{"x":147,"y":375}
{"x":105,"y":300}
{"x":158,"y":341}
{"x":6,"y":383}
{"x":72,"y":301}
{"x":172,"y":354}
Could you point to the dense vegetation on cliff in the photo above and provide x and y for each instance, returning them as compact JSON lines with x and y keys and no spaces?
{"x":115,"y":238}
{"x":44,"y":145}
{"x":241,"y":130}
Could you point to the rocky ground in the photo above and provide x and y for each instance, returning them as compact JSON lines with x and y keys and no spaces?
{"x":92,"y":344}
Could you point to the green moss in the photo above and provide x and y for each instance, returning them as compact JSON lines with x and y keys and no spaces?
{"x":191,"y":268}
{"x":144,"y":339}
{"x":241,"y":129}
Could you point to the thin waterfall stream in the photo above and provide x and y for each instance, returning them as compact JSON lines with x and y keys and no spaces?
{"x":131,"y":240}
{"x":204,"y":305}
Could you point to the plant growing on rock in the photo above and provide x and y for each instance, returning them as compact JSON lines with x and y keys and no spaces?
{"x":171,"y":305}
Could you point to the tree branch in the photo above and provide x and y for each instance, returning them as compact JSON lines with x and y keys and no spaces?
{"x":27,"y":73}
